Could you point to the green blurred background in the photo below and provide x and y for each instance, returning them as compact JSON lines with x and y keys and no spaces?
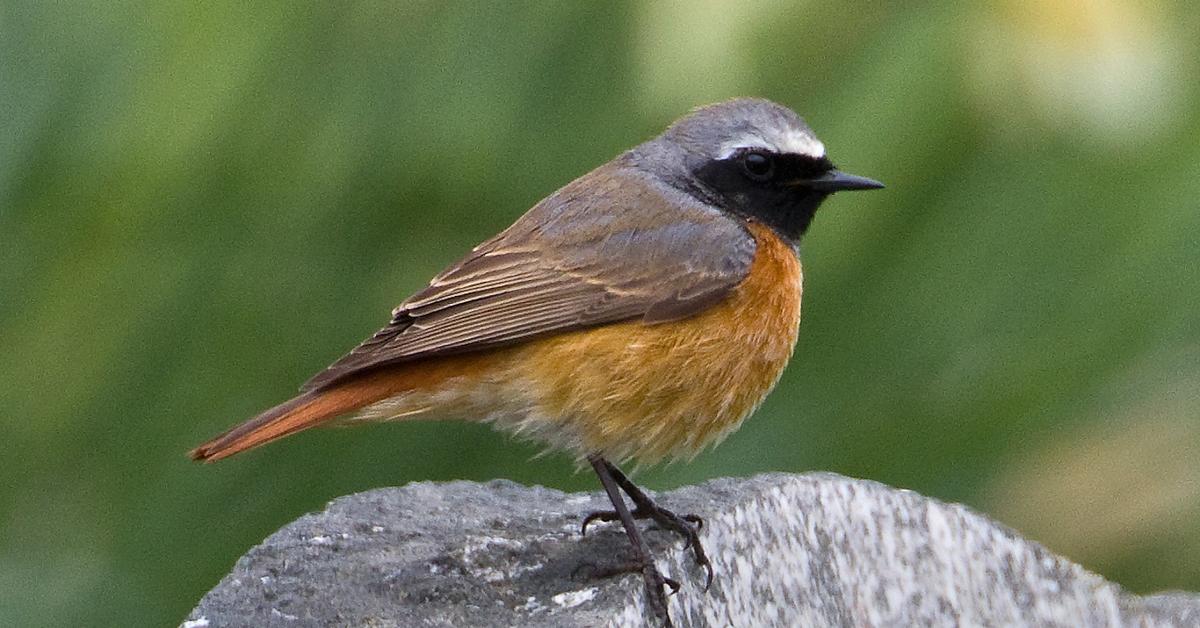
{"x":203,"y":204}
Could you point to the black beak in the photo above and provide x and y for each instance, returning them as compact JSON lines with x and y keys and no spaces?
{"x":837,"y":181}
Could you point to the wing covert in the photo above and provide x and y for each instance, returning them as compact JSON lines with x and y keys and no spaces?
{"x":610,"y":246}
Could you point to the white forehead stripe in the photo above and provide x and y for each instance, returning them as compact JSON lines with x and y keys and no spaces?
{"x":802,"y":144}
{"x":793,"y":141}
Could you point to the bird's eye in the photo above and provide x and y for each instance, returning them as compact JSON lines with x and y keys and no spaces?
{"x":758,"y":166}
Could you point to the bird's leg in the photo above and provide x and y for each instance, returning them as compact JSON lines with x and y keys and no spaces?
{"x":687,"y":526}
{"x":643,"y":562}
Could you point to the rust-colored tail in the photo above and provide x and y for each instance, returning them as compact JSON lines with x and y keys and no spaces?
{"x":305,"y":411}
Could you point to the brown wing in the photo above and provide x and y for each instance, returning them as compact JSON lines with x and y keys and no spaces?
{"x":610,"y":246}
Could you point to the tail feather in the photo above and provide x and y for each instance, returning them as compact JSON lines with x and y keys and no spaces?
{"x":307,"y":410}
{"x":321,"y":405}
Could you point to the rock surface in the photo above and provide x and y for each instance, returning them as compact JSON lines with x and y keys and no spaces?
{"x":788,"y":550}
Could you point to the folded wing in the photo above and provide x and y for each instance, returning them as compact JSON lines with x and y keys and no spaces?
{"x":626,"y":249}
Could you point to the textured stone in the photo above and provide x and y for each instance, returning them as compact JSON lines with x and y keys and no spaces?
{"x":788,"y":550}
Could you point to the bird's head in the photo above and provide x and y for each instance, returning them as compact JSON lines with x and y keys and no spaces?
{"x":755,"y":159}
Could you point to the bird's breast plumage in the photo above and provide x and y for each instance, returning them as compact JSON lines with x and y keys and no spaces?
{"x":631,"y":390}
{"x":648,"y":392}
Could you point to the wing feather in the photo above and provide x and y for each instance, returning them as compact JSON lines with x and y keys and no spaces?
{"x":629,"y":248}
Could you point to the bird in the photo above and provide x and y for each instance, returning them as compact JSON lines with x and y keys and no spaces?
{"x":638,"y":314}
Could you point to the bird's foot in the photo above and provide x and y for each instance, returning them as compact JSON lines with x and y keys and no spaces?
{"x":656,"y":584}
{"x":688,"y":526}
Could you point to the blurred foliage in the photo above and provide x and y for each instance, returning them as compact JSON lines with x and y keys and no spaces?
{"x":202,"y":204}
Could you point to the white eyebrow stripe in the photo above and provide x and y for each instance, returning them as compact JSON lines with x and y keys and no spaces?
{"x":794,"y":142}
{"x":744,"y":142}
{"x":803,"y":144}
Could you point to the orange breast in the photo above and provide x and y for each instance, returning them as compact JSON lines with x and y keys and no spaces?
{"x":631,"y":390}
{"x":669,"y":390}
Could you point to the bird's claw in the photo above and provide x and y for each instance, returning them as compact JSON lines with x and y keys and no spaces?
{"x":688,"y":526}
{"x":598,"y":515}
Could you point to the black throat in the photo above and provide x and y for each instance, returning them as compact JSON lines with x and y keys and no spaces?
{"x":786,"y":207}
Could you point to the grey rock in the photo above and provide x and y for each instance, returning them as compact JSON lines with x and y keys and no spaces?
{"x":788,"y":550}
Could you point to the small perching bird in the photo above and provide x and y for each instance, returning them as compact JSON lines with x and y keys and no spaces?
{"x":641,"y":312}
